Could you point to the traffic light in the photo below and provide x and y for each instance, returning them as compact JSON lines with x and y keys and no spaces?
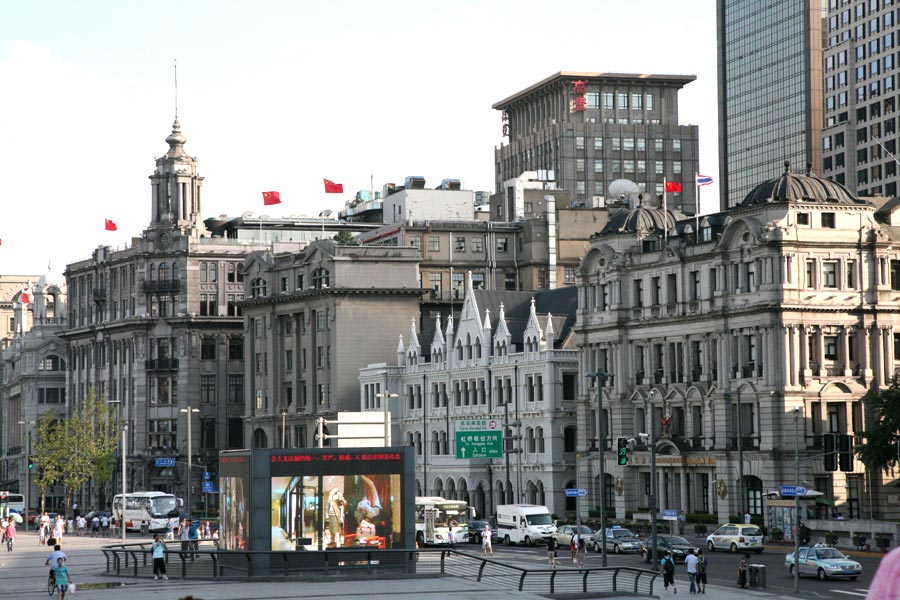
{"x":831,"y":459}
{"x":845,"y":452}
{"x":30,"y":462}
{"x":623,"y":451}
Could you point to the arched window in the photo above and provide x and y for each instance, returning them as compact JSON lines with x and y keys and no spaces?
{"x":539,"y":436}
{"x":151,"y":270}
{"x":753,"y":485}
{"x":477,"y":348}
{"x":609,"y":493}
{"x":459,"y":351}
{"x":174,"y":271}
{"x":444,"y":446}
{"x":529,"y":440}
{"x":451,"y":489}
{"x":569,"y":439}
{"x":435,"y":443}
{"x":419,"y":443}
{"x":164,"y":271}
{"x":468,"y":347}
{"x":410,"y":439}
{"x":260,"y":439}
{"x":542,"y":496}
{"x":438,"y":486}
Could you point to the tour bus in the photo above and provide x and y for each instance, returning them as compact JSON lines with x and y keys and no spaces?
{"x":146,"y":511}
{"x":12,"y":501}
{"x":525,"y":523}
{"x":435,"y":516}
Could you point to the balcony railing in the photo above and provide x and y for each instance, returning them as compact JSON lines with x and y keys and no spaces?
{"x":165,"y":285}
{"x":162,"y":364}
{"x":747,"y":442}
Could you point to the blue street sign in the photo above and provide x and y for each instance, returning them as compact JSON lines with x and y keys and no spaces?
{"x":669,"y":512}
{"x":575,"y":492}
{"x":165,"y":462}
{"x":789,"y":491}
{"x":208,"y":487}
{"x":207,"y":476}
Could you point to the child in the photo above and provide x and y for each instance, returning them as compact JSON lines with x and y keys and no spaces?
{"x":61,"y":576}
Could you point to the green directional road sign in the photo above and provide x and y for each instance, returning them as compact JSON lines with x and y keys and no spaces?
{"x":479,"y":444}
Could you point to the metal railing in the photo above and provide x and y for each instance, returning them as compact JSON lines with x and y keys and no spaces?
{"x":206,"y":562}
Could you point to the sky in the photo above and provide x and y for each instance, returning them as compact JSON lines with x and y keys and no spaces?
{"x":277,"y":95}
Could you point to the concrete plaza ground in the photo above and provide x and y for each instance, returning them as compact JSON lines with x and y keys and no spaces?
{"x":23,"y":575}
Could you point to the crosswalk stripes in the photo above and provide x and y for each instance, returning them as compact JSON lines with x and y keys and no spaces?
{"x":858,"y":593}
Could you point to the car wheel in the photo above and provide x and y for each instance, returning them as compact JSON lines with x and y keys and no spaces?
{"x":420,"y":539}
{"x":645,"y":556}
{"x":616,"y":549}
{"x":528,"y":541}
{"x":711,"y":546}
{"x":791,"y":570}
{"x":596,"y":547}
{"x":822,"y":575}
{"x":506,"y":541}
{"x":734,"y":548}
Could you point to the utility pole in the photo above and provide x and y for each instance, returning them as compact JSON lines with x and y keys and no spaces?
{"x":190,"y":414}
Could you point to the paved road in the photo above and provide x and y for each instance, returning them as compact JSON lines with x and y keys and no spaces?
{"x":23,"y":575}
{"x":722,"y":569}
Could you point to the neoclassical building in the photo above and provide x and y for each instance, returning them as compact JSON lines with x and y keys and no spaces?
{"x":508,"y":357}
{"x":718,"y":330}
{"x":32,"y":378}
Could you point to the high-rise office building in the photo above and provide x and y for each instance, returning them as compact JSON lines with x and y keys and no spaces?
{"x":582,"y":131}
{"x":859,"y":141}
{"x":770,"y":90}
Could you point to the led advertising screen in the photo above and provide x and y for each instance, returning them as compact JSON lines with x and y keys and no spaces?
{"x":234,"y":498}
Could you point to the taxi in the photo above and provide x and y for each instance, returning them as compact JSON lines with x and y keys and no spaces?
{"x":736,"y":537}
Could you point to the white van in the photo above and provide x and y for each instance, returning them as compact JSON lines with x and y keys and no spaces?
{"x":524,"y":523}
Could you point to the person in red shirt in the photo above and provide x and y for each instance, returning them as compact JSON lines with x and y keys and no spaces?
{"x":10,"y":534}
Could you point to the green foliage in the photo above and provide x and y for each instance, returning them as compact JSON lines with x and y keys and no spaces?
{"x":702,"y":518}
{"x":831,"y":538}
{"x":859,"y":540}
{"x":776,"y":535}
{"x":700,"y":529}
{"x":882,"y":541}
{"x":50,"y":452}
{"x":345,"y":237}
{"x":882,"y":434}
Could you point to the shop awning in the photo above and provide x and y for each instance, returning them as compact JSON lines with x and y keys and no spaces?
{"x":823,"y":501}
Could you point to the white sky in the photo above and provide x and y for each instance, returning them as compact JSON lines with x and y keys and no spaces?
{"x":277,"y":95}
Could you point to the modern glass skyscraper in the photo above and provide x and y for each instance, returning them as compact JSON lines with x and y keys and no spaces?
{"x":770,"y":90}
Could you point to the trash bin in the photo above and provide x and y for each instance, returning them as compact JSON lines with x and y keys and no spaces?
{"x":758,"y":576}
{"x":145,"y":528}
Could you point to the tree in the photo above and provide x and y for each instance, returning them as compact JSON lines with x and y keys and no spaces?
{"x":91,"y":441}
{"x":883,"y":433}
{"x":345,"y":237}
{"x":49,"y":450}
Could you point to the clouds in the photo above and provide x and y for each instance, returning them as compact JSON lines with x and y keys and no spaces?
{"x":287,"y":93}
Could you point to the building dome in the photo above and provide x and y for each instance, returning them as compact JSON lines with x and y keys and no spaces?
{"x":799,"y":187}
{"x":642,"y":219}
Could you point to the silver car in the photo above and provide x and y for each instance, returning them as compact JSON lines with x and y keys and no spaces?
{"x":618,"y":540}
{"x":565,"y":533}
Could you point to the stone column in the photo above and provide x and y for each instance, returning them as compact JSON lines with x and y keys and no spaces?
{"x":820,"y":350}
{"x":877,"y":346}
{"x":682,"y":483}
{"x":804,"y":353}
{"x":845,"y":350}
{"x":865,"y":353}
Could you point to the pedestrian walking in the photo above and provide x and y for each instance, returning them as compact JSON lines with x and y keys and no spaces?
{"x":171,"y":526}
{"x":10,"y":534}
{"x":58,"y":528}
{"x":701,"y":571}
{"x":581,"y":552}
{"x":451,"y":538}
{"x":62,"y":578}
{"x":742,"y":571}
{"x":95,"y":526}
{"x":552,"y":546}
{"x":159,"y":558}
{"x":486,"y":541}
{"x":690,"y":561}
{"x":573,"y":546}
{"x":667,"y":567}
{"x":682,"y":520}
{"x":104,"y":525}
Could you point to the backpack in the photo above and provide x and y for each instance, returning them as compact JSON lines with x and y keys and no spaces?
{"x":701,"y":565}
{"x":668,"y":566}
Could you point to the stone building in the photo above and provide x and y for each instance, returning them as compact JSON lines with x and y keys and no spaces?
{"x":719,"y":332}
{"x":157,"y":328}
{"x":32,"y":379}
{"x":313,"y":319}
{"x":508,"y":358}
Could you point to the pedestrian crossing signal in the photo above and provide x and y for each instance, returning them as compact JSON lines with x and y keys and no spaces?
{"x":623,"y":451}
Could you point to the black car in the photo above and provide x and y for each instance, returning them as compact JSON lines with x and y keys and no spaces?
{"x":476,"y":529}
{"x":676,"y":545}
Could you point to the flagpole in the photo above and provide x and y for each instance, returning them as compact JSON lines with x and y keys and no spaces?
{"x":697,"y":209}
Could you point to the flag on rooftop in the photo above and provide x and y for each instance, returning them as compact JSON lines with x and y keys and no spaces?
{"x":333,"y":188}
{"x":704,"y":179}
{"x":109,"y":225}
{"x":673,"y":187}
{"x":270,"y":198}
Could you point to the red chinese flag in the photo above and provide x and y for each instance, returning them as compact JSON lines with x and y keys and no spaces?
{"x":270,"y":198}
{"x":673,"y":186}
{"x":333,"y":188}
{"x":110,"y":226}
{"x":25,"y":297}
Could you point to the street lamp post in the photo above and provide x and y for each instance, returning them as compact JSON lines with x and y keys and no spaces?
{"x":740,"y":446}
{"x":385,"y":402}
{"x":124,"y":461}
{"x":189,"y":411}
{"x":27,"y":470}
{"x":601,"y":435}
{"x":653,"y":482}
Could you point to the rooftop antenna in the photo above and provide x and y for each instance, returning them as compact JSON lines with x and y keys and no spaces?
{"x":176,"y":89}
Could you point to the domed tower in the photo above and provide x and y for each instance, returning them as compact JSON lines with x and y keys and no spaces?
{"x":799,"y":187}
{"x":176,"y":189}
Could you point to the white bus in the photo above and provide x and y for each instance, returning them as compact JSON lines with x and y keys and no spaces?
{"x":12,"y":501}
{"x":146,"y":510}
{"x":435,"y":516}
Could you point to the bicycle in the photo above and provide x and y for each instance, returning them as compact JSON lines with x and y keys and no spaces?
{"x":51,"y":584}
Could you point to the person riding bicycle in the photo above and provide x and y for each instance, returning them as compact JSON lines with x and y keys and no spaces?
{"x":52,"y":559}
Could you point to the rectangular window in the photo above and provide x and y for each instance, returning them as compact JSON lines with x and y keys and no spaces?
{"x":235,"y":348}
{"x":829,"y":274}
{"x":208,"y":389}
{"x":637,"y":102}
{"x":434,"y":282}
{"x":802,"y":218}
{"x":623,"y":101}
{"x":608,"y":100}
{"x":638,"y":293}
{"x":598,"y":143}
{"x":649,"y":99}
{"x":477,"y":244}
{"x":579,"y":142}
{"x":828,"y":220}
{"x":851,"y":274}
{"x":810,"y":272}
{"x":434,"y":243}
{"x":208,"y":348}
{"x":616,"y":143}
{"x":502,"y":244}
{"x":235,"y":389}
{"x":460,"y":244}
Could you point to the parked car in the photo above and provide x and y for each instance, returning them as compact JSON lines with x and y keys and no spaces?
{"x":565,"y":533}
{"x":736,"y":537}
{"x":618,"y":540}
{"x":824,"y":563}
{"x":676,"y":545}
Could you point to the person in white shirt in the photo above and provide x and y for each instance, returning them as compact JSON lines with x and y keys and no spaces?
{"x":747,"y":518}
{"x":691,"y":562}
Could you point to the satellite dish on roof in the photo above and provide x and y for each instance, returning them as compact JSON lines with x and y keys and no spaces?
{"x":247,"y":213}
{"x":263,"y":217}
{"x":623,"y":187}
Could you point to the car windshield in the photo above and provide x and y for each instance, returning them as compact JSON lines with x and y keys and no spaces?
{"x":751,"y":531}
{"x":543,"y":519}
{"x":622,"y":533}
{"x":165,"y":506}
{"x":829,"y":553}
{"x":585,"y":530}
{"x":674,"y":539}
